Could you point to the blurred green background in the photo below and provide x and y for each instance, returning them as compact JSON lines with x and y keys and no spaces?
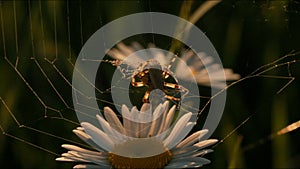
{"x":50,"y":34}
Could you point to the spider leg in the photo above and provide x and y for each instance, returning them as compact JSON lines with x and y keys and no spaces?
{"x":146,"y":97}
{"x":172,"y":85}
{"x":172,"y":98}
{"x":184,"y":90}
{"x":177,"y":88}
{"x":137,"y":84}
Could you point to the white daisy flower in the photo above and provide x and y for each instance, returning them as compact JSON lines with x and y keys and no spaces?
{"x":202,"y":67}
{"x":139,"y":142}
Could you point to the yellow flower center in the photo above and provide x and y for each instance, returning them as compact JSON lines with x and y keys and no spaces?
{"x":157,"y":161}
{"x":140,"y":153}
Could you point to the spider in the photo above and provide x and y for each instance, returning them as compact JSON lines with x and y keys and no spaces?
{"x":151,"y":75}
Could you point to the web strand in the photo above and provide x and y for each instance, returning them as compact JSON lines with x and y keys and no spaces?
{"x":42,"y":28}
{"x":3,"y":34}
{"x":16,"y":30}
{"x":52,"y":66}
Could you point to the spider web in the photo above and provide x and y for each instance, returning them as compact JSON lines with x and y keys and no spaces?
{"x":41,"y":40}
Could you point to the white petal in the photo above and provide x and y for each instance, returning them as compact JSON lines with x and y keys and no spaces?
{"x":184,"y":75}
{"x":158,"y":55}
{"x":190,"y":162}
{"x":169,"y":118}
{"x":146,"y":108}
{"x":164,"y":116}
{"x":187,"y":55}
{"x":215,"y":75}
{"x":194,"y":148}
{"x":112,"y":133}
{"x":74,"y":158}
{"x":116,"y":54}
{"x":200,"y":69}
{"x":215,"y":84}
{"x":183,"y":164}
{"x":144,"y":128}
{"x":183,"y":150}
{"x":135,"y":123}
{"x":230,"y":75}
{"x":134,"y":111}
{"x":126,"y":120}
{"x":137,"y":46}
{"x":198,"y":160}
{"x":126,"y":50}
{"x":206,"y":60}
{"x":82,"y":134}
{"x":181,"y":135}
{"x":194,"y":153}
{"x":146,"y":118}
{"x":158,"y":111}
{"x":192,"y":138}
{"x":80,"y":128}
{"x":98,"y":136}
{"x":64,"y":159}
{"x":82,"y":150}
{"x":201,"y":153}
{"x":105,"y":126}
{"x":156,"y":121}
{"x":206,"y":143}
{"x":86,"y":138}
{"x":161,"y":123}
{"x":113,"y":120}
{"x":135,"y":60}
{"x":89,"y":158}
{"x":125,"y":111}
{"x":88,"y":166}
{"x":145,"y":115}
{"x":177,"y":129}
